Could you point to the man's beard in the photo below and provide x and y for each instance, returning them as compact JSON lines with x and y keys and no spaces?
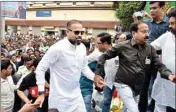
{"x":75,"y":41}
{"x":173,"y":31}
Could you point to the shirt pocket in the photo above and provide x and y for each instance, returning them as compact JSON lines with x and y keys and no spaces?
{"x":147,"y":62}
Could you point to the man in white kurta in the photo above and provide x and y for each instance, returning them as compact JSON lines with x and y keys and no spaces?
{"x":66,"y":60}
{"x":164,"y":90}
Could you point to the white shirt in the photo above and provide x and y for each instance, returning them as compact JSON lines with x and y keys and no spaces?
{"x":7,"y":94}
{"x":164,"y":90}
{"x":21,"y":73}
{"x":94,"y":56}
{"x":111,"y":67}
{"x":66,"y":62}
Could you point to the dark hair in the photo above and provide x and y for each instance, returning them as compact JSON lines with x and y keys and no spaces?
{"x":142,"y":5}
{"x":29,"y":50}
{"x":69,"y":23}
{"x":86,"y":43}
{"x":161,"y":3}
{"x":36,"y":62}
{"x":27,"y":59}
{"x":172,"y":13}
{"x":134,"y":26}
{"x":3,"y":54}
{"x":37,"y":50}
{"x":105,"y":37}
{"x":5,"y":64}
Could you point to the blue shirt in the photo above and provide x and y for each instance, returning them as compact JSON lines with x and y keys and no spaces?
{"x":157,"y":29}
{"x":86,"y":84}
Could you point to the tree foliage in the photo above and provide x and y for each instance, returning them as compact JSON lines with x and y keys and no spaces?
{"x":125,"y":11}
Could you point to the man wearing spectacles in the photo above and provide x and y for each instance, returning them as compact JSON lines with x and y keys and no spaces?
{"x":136,"y":58}
{"x":75,"y":34}
{"x":103,"y":43}
{"x":66,"y":60}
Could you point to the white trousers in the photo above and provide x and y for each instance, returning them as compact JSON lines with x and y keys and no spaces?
{"x":160,"y":108}
{"x":127,"y":96}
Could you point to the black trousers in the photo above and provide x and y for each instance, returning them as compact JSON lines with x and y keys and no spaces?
{"x":143,"y":99}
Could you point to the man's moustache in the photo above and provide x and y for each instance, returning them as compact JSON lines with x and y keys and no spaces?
{"x":147,"y":37}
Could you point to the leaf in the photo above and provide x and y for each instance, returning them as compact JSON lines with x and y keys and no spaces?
{"x":125,"y":12}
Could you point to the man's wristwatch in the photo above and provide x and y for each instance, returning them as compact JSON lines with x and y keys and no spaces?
{"x":41,"y":92}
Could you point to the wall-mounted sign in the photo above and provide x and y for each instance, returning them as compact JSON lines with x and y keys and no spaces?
{"x":43,"y":13}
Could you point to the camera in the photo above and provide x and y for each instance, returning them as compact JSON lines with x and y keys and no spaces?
{"x":139,"y":15}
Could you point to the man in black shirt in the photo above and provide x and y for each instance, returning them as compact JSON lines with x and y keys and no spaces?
{"x":135,"y":60}
{"x":29,"y":83}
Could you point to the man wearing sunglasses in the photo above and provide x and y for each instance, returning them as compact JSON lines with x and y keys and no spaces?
{"x":66,"y":60}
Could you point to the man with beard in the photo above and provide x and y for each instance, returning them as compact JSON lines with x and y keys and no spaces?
{"x":66,"y":60}
{"x":163,"y":90}
{"x":135,"y":60}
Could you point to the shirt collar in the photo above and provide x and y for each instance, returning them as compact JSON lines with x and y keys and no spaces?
{"x":134,"y":43}
{"x":3,"y":80}
{"x":165,"y":19}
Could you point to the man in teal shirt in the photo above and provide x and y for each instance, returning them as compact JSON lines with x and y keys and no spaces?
{"x":103,"y":42}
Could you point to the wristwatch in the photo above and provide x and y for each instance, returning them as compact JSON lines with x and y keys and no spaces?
{"x":41,"y":92}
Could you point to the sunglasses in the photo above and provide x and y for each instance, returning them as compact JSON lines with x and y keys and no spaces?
{"x":77,"y":32}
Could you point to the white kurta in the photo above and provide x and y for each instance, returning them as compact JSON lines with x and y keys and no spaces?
{"x":66,"y":62}
{"x":7,"y":94}
{"x":111,"y":67}
{"x":164,"y":90}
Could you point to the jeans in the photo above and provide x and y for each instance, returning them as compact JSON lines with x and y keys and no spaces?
{"x":107,"y":98}
{"x":87,"y":101}
{"x":127,"y":96}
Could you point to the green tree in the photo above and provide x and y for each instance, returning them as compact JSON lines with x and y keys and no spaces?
{"x":125,"y":11}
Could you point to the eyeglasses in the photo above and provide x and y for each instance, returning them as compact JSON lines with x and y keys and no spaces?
{"x":77,"y":32}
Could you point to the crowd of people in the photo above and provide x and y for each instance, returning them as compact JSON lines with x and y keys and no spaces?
{"x":52,"y":74}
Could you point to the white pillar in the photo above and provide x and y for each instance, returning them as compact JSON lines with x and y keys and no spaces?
{"x":2,"y":32}
{"x":30,"y":29}
{"x":18,"y":29}
{"x":56,"y":31}
{"x":43,"y":30}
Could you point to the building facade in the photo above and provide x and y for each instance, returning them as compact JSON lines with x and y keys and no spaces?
{"x":51,"y":17}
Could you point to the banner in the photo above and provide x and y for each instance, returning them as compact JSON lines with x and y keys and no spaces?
{"x":44,"y":13}
{"x":13,"y":9}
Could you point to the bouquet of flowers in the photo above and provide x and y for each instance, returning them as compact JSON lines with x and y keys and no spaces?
{"x":116,"y":104}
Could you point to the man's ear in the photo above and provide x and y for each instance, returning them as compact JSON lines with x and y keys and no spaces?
{"x":2,"y":71}
{"x":66,"y":31}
